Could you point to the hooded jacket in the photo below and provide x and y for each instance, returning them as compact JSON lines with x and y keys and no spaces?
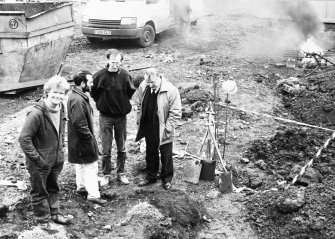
{"x":82,"y":145}
{"x":39,"y":138}
{"x":168,"y":110}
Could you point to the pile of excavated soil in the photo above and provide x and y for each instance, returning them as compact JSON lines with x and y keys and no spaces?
{"x":314,"y":220}
{"x":315,"y":105}
{"x":184,"y":212}
{"x":281,"y":153}
{"x":293,"y":147}
{"x":273,"y":161}
{"x":290,"y":147}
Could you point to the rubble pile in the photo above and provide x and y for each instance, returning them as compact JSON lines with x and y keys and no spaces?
{"x":314,"y":105}
{"x":288,"y":150}
{"x":185,"y":214}
{"x":194,"y":99}
{"x":312,"y":218}
{"x":299,"y":212}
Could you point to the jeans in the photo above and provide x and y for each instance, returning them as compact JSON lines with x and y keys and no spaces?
{"x":87,"y":178}
{"x":113,"y":127}
{"x":44,"y":189}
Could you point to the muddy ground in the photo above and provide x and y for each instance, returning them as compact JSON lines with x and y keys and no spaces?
{"x":263,"y":153}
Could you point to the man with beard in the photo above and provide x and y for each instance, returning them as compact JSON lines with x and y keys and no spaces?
{"x":112,"y":90}
{"x":82,"y":145}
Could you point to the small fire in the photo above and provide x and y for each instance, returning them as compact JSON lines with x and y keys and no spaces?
{"x":310,"y":46}
{"x":311,"y":54}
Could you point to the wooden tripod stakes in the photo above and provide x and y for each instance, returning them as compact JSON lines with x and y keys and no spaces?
{"x":210,"y":132}
{"x":225,"y":178}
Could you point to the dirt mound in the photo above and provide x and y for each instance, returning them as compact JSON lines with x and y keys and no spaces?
{"x":314,"y":220}
{"x":185,"y":213}
{"x":291,"y":147}
{"x":194,"y":95}
{"x":287,"y":149}
{"x":315,"y":105}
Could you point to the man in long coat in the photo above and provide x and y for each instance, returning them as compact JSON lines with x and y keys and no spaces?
{"x":82,"y":145}
{"x":159,"y":108}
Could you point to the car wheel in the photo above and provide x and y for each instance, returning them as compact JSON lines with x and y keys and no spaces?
{"x":94,"y":39}
{"x":148,"y":36}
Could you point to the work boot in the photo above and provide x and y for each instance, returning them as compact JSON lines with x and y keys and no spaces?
{"x":82,"y":192}
{"x":122,"y":178}
{"x":146,"y":182}
{"x":167,"y":186}
{"x":99,"y":201}
{"x":61,"y":219}
{"x":104,"y":180}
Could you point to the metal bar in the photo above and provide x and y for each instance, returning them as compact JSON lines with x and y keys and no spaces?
{"x":218,"y":151}
{"x":60,"y":68}
{"x":215,"y":111}
{"x":225,"y":130}
{"x":315,"y":54}
{"x":202,"y":143}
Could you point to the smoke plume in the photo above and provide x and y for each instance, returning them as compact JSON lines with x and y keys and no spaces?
{"x":297,"y":21}
{"x":303,"y":16}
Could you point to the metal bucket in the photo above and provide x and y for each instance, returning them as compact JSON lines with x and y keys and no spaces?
{"x":192,"y":169}
{"x":207,"y":170}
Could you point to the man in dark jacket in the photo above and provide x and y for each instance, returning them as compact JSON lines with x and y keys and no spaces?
{"x":42,"y":141}
{"x":112,"y":90}
{"x":82,"y":145}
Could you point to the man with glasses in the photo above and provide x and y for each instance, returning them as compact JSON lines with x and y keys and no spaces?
{"x":159,"y":108}
{"x":112,"y":90}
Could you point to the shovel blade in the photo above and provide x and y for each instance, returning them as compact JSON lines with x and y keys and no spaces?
{"x":225,"y":182}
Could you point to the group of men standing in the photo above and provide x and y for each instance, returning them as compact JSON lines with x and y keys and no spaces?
{"x":42,"y":136}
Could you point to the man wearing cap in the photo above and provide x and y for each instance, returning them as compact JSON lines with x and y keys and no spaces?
{"x":112,"y":90}
{"x":159,"y":108}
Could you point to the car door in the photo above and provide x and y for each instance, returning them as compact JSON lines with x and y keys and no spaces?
{"x":159,"y":12}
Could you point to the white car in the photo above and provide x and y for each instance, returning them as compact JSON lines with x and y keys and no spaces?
{"x":132,"y":19}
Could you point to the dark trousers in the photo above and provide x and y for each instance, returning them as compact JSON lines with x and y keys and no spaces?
{"x":113,"y":127}
{"x":152,"y":156}
{"x":44,"y":189}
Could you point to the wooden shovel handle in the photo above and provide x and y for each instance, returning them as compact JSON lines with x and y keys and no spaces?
{"x":7,"y":183}
{"x":202,"y":143}
{"x":218,"y":151}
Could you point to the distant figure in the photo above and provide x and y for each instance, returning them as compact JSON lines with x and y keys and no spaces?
{"x":182,"y":10}
{"x":82,"y":145}
{"x":42,"y":141}
{"x":159,"y":108}
{"x":112,"y":90}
